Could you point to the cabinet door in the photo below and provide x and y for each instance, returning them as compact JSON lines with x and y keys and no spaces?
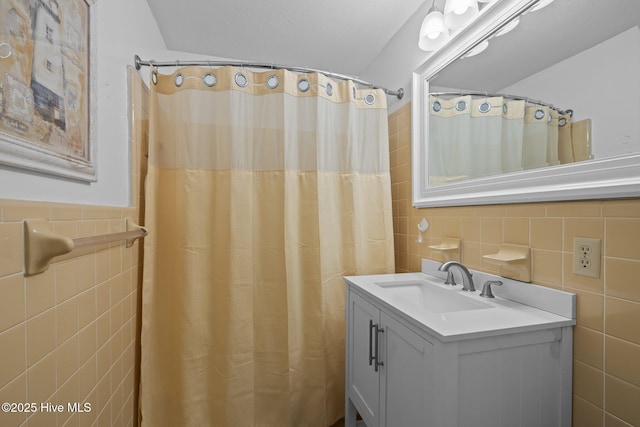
{"x":363,"y":380}
{"x":407,"y":376}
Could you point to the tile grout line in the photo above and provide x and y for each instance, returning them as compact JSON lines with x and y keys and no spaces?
{"x":604,"y":312}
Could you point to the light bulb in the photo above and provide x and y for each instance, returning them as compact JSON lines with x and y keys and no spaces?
{"x":457,"y":13}
{"x":460,"y":10}
{"x":433,"y":33}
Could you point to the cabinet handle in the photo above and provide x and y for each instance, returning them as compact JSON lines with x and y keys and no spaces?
{"x":377,"y":349}
{"x":371,"y":326}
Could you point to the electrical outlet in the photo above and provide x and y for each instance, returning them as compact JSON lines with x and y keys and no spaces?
{"x":586,"y":256}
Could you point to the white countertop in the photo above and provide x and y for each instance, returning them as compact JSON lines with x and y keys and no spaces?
{"x":504,"y":316}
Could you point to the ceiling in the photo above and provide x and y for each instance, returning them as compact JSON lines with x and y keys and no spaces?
{"x":346,"y":36}
{"x":333,"y":35}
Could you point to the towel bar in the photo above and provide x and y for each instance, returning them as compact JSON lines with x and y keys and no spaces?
{"x":41,"y":245}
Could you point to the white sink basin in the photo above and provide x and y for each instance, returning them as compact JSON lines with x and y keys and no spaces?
{"x":431,"y":297}
{"x":452,"y":314}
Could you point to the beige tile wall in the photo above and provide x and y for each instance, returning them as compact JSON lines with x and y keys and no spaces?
{"x":607,"y":335}
{"x":71,"y":334}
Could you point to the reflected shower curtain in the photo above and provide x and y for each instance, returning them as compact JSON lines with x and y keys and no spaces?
{"x":263,"y":190}
{"x":473,"y":137}
{"x":449,"y":135}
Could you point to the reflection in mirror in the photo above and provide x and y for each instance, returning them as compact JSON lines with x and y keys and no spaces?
{"x":562,"y":87}
{"x":475,"y":135}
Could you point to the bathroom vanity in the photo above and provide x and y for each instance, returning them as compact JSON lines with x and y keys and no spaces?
{"x":421,"y":353}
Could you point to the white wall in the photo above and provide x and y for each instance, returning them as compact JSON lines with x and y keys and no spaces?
{"x":125,"y":27}
{"x":393,"y":68}
{"x":601,"y":84}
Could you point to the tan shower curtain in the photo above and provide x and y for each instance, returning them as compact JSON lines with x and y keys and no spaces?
{"x":263,"y":190}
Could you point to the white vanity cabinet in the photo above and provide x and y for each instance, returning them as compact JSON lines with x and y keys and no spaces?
{"x":403,"y":373}
{"x":387,"y":374}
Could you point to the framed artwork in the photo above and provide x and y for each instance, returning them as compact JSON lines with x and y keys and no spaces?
{"x":48,"y":86}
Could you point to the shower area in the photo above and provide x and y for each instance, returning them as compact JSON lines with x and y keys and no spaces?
{"x":262,"y":189}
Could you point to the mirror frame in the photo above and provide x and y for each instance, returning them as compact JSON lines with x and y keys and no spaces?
{"x":616,"y":177}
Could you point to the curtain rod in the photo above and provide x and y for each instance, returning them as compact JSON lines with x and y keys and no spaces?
{"x":139,"y":63}
{"x":503,"y":95}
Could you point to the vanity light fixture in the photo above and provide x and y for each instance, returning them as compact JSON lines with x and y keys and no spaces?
{"x":433,"y":32}
{"x":437,"y":26}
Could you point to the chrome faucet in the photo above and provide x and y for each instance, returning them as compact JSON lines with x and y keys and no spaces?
{"x":467,"y":279}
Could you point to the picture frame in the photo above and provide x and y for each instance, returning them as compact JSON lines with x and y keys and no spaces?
{"x":48,"y":87}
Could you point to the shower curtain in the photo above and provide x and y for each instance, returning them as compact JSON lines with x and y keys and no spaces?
{"x":263,"y":190}
{"x":473,"y":137}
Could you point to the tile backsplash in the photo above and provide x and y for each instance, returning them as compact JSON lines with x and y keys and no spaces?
{"x":606,"y":337}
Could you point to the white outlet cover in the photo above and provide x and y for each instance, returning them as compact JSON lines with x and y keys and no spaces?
{"x":586,"y":256}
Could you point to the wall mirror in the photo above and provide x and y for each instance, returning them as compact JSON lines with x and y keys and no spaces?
{"x":549,"y":110}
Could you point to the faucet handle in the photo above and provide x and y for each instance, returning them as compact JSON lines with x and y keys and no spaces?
{"x":486,"y":288}
{"x":450,"y":280}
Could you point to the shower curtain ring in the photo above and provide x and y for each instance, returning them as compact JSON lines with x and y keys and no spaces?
{"x":7,"y":48}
